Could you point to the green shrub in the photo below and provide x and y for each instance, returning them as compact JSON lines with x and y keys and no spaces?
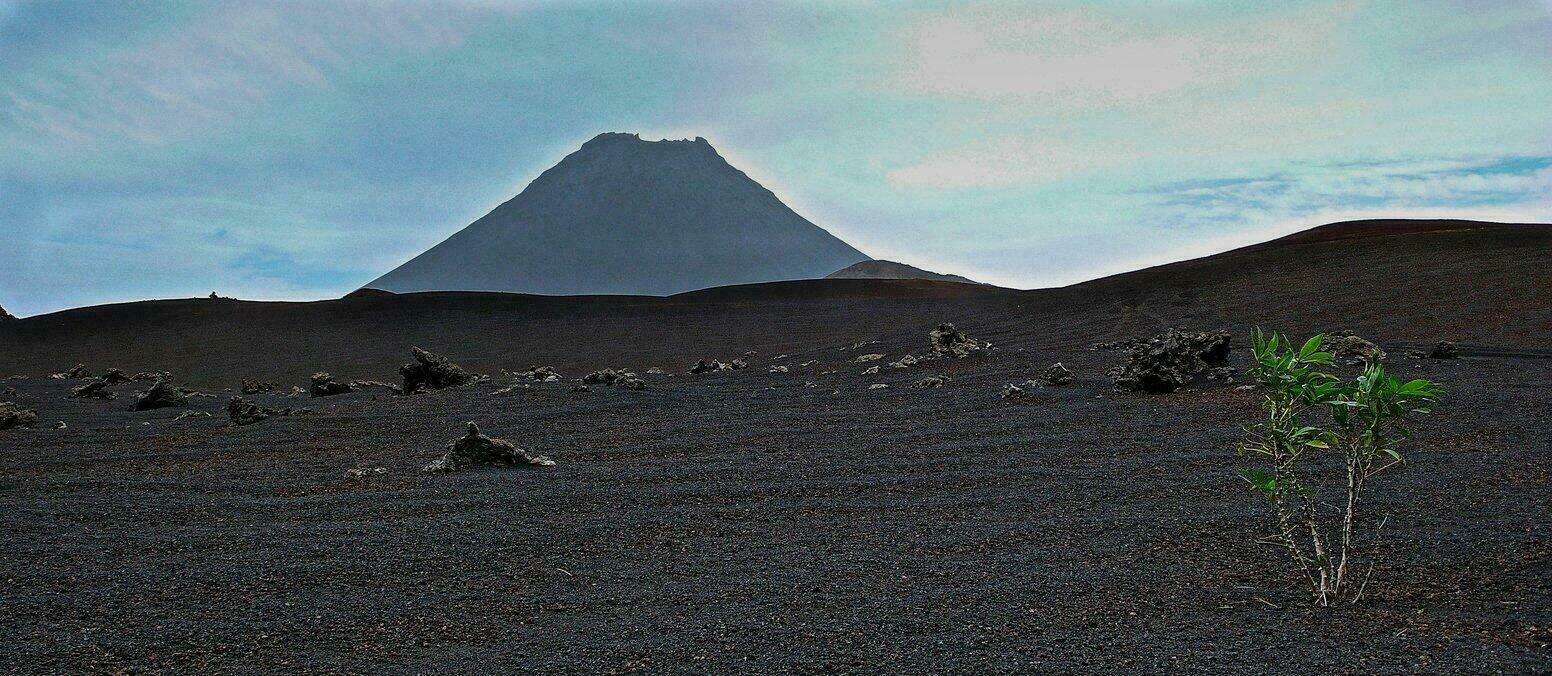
{"x":1362,"y":421}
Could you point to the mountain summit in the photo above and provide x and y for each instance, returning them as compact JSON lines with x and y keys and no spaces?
{"x":626,"y":216}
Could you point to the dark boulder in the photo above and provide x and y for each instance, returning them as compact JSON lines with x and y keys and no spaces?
{"x":431,"y":371}
{"x":324,"y":385}
{"x":1352,"y":348}
{"x":1171,"y":360}
{"x":258,"y":386}
{"x":948,"y":341}
{"x":163,"y":394}
{"x":93,"y":389}
{"x":247,"y":412}
{"x":13,"y":416}
{"x":115,"y":377}
{"x":1444,"y":349}
{"x":1056,"y":374}
{"x":477,"y":449}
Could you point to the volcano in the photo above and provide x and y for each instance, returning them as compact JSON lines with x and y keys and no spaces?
{"x":622,"y":215}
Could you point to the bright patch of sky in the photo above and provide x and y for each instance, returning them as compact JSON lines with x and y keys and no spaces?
{"x":294,"y":150}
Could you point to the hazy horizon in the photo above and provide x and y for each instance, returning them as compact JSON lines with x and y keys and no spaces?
{"x":291,"y":150}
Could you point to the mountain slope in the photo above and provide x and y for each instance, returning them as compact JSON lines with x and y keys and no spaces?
{"x":627,"y":216}
{"x":877,"y":269}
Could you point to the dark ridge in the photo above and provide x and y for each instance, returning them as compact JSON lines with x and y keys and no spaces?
{"x":879,"y":269}
{"x":1410,"y":287}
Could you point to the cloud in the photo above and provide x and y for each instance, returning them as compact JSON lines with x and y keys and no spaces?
{"x":1092,"y":57}
{"x":997,"y":163}
{"x":209,"y":72}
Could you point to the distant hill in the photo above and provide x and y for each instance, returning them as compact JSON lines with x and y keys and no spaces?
{"x":1404,"y":284}
{"x":5,"y":315}
{"x":626,"y":216}
{"x":877,"y":269}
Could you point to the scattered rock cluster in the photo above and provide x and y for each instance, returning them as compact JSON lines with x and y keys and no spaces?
{"x":1055,"y":375}
{"x":703,"y":366}
{"x":1170,"y":360}
{"x":13,"y":416}
{"x":616,"y":378}
{"x":432,"y":371}
{"x":951,"y":342}
{"x":540,"y":374}
{"x":477,"y":449}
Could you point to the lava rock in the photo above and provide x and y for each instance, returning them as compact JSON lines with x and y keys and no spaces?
{"x":324,"y":385}
{"x":13,"y":416}
{"x":75,"y":373}
{"x":245,"y":411}
{"x":432,"y":371}
{"x":1351,"y":347}
{"x":1056,"y":374}
{"x":477,"y":449}
{"x":703,"y":366}
{"x":115,"y":377}
{"x":616,"y":378}
{"x":541,"y":374}
{"x":94,"y":389}
{"x":258,"y":386}
{"x":930,"y":382}
{"x":160,"y":395}
{"x":1444,"y":349}
{"x":951,"y":342}
{"x":1171,"y":360}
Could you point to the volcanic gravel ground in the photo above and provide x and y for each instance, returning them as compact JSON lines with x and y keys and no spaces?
{"x":742,"y":521}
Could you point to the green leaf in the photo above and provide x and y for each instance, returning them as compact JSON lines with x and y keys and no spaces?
{"x":1310,"y":346}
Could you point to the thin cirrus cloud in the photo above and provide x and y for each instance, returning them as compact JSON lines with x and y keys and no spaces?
{"x":289,"y":149}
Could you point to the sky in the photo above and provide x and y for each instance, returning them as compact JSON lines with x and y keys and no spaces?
{"x":297,"y":150}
